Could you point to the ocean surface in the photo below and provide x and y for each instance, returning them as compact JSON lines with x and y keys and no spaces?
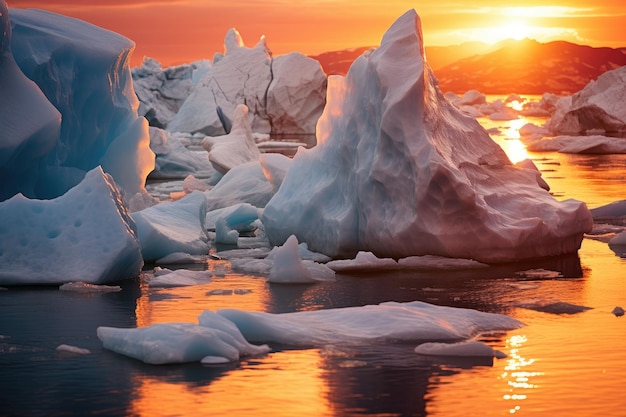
{"x":567,"y":364}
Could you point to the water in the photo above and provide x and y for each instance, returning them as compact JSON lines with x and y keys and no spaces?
{"x":558,"y":364}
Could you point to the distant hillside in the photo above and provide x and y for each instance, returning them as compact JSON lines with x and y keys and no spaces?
{"x":524,"y":67}
{"x":530,"y":67}
{"x":338,"y":62}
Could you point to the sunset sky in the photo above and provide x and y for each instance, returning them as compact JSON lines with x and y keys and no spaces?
{"x":182,"y":31}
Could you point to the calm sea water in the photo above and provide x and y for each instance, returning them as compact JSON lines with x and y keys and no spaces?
{"x":558,"y":364}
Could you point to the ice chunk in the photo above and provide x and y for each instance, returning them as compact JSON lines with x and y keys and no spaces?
{"x":242,"y":184}
{"x":287,"y":266}
{"x":214,"y":337}
{"x":593,"y":144}
{"x":180,"y":258}
{"x":171,"y":343}
{"x":618,"y":311}
{"x":85,"y":287}
{"x":619,"y":239}
{"x":73,"y":349}
{"x":386,"y":322}
{"x":363,"y":261}
{"x":173,"y":227}
{"x":274,"y":166}
{"x":224,"y":234}
{"x":239,"y":217}
{"x":597,"y":106}
{"x":84,"y":235}
{"x":166,"y":278}
{"x":296,"y":95}
{"x":469,"y":348}
{"x":175,"y":160}
{"x":84,"y":71}
{"x":613,"y":210}
{"x":235,"y":148}
{"x":557,"y":307}
{"x":399,"y":172}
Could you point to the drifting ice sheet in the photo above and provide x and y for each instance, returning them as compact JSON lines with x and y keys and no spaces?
{"x":410,"y":322}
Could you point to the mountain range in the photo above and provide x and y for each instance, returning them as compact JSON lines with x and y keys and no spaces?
{"x":511,"y":66}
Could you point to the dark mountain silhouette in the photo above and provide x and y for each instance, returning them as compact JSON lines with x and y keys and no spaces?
{"x":524,"y":67}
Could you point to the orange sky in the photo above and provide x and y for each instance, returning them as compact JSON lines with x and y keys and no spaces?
{"x":182,"y":31}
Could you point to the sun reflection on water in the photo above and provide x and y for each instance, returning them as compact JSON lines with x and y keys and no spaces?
{"x":515,"y":372}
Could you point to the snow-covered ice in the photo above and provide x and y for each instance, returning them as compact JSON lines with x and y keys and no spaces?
{"x":84,"y":71}
{"x":384,"y":323}
{"x":399,"y":172}
{"x":170,"y":227}
{"x":84,"y":235}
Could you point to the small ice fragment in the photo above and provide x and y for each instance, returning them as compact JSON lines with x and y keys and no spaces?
{"x":214,"y":360}
{"x":73,"y":349}
{"x":471,"y":348}
{"x":539,"y":273}
{"x":618,"y":311}
{"x":220,"y":292}
{"x":85,"y":287}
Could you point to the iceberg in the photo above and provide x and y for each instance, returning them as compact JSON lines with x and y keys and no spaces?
{"x":399,"y":172}
{"x":170,"y":227}
{"x":84,"y":72}
{"x":285,"y":95}
{"x":383,"y":323}
{"x":597,"y":106}
{"x":29,"y":123}
{"x":84,"y":235}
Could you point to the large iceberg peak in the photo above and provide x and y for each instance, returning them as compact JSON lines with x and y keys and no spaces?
{"x":399,"y":172}
{"x":232,"y":40}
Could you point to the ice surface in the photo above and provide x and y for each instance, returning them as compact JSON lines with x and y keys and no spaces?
{"x":224,"y":234}
{"x":84,"y":235}
{"x":469,"y":348}
{"x":243,"y":184}
{"x":175,"y":160}
{"x":236,"y":148}
{"x":167,"y":278}
{"x":180,"y":258}
{"x":613,"y":210}
{"x":297,"y":94}
{"x":619,"y":239}
{"x":85,"y":287}
{"x":399,"y":172}
{"x":386,"y":322}
{"x":169,"y":343}
{"x":161,"y":92}
{"x":274,"y":166}
{"x":285,"y":94}
{"x":173,"y":227}
{"x":597,"y":106}
{"x":241,"y":217}
{"x":29,"y":123}
{"x":84,"y":71}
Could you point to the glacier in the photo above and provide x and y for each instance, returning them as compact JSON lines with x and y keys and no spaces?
{"x":399,"y":172}
{"x":83,"y":71}
{"x":84,"y":235}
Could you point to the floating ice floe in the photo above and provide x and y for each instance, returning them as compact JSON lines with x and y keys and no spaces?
{"x":367,"y":261}
{"x":538,"y":273}
{"x":469,"y":348}
{"x":181,"y":258}
{"x":399,"y":172}
{"x":168,"y":343}
{"x":557,"y":307}
{"x":171,"y":227}
{"x":167,"y":278}
{"x":387,"y":322}
{"x":85,"y":287}
{"x":84,"y":235}
{"x":73,"y":349}
{"x":618,"y":311}
{"x":592,"y":144}
{"x":287,"y":267}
